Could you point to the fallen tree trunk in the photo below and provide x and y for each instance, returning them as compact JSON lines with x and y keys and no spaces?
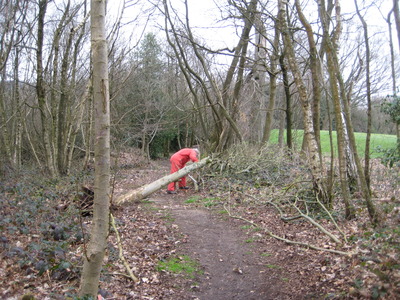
{"x":145,"y":190}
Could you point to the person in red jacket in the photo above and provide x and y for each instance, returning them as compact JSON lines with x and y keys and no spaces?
{"x":178,"y":161}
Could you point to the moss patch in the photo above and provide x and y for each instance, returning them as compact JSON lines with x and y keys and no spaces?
{"x":180,"y":265}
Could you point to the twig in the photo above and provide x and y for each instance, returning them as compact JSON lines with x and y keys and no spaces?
{"x":289,"y":241}
{"x":283,"y":218}
{"x":301,"y":215}
{"x":121,"y":256}
{"x":289,"y":186}
{"x":308,"y":245}
{"x":332,"y":219}
{"x":83,"y":235}
{"x":319,"y":226}
{"x":264,"y":202}
{"x":118,"y":274}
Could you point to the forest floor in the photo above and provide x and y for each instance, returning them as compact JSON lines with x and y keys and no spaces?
{"x":230,"y":258}
{"x":191,"y":245}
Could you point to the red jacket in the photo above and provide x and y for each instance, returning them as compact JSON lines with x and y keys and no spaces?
{"x":183,"y":156}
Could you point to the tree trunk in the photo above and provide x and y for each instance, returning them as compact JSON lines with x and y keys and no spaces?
{"x":357,"y":171}
{"x":9,"y":37}
{"x":64,"y":124}
{"x":146,"y":190}
{"x":41,"y":91}
{"x":259,"y":72}
{"x":369,"y":106}
{"x":77,"y":123}
{"x":316,"y":74}
{"x":397,"y":18}
{"x":392,"y":61}
{"x":312,"y":146}
{"x":332,"y":70}
{"x":87,"y":131}
{"x":93,"y":258}
{"x":76,"y":113}
{"x":281,"y":129}
{"x":57,"y":105}
{"x":363,"y":186}
{"x":5,"y":135}
{"x":288,"y":98}
{"x":17,"y":158}
{"x":389,"y":22}
{"x":272,"y":86}
{"x":330,"y":171}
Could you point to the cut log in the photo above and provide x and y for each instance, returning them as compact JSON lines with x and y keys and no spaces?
{"x":145,"y":190}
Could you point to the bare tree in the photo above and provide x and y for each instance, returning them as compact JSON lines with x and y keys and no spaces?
{"x":344,"y":127}
{"x":309,"y":134}
{"x":223,"y":101}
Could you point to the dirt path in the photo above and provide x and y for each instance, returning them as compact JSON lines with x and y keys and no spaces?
{"x":233,"y":269}
{"x":238,"y":262}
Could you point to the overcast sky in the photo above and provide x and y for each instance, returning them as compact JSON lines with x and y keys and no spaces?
{"x":203,"y":16}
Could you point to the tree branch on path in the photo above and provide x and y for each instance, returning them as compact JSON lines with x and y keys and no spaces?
{"x":121,"y":255}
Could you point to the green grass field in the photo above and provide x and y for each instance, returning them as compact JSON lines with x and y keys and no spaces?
{"x":384,"y":141}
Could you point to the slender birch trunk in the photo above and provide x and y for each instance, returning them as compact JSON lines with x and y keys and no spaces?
{"x":309,"y":134}
{"x":316,"y":73}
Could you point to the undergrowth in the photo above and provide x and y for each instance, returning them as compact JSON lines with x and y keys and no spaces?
{"x":39,"y":225}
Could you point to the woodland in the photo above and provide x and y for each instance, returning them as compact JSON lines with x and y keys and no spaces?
{"x":96,"y":95}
